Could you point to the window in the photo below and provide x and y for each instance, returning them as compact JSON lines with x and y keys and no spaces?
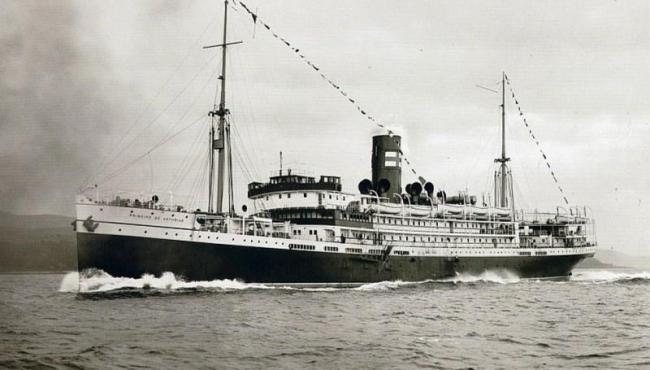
{"x":288,"y":195}
{"x":390,"y":154}
{"x":279,"y":196}
{"x":330,"y":196}
{"x":304,"y":195}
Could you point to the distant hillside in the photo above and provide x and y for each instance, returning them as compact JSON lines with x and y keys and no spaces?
{"x":594,"y":263}
{"x":620,"y":259}
{"x":10,"y":220}
{"x":36,"y":243}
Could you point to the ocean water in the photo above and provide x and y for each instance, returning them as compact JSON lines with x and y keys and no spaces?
{"x":597,"y":318}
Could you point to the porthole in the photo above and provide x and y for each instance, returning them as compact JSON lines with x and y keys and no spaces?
{"x":145,"y":231}
{"x":119,"y":229}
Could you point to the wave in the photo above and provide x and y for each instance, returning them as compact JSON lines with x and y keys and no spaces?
{"x":606,"y":276}
{"x":388,"y":285}
{"x":99,"y":281}
{"x":488,"y":276}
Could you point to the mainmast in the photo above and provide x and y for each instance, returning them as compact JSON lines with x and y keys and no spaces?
{"x":220,"y":138}
{"x":503,"y":175}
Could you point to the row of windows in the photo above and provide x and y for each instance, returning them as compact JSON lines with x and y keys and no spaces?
{"x":411,"y":222}
{"x":330,"y":196}
{"x":448,"y":239}
{"x":371,"y":236}
{"x":355,"y":217}
{"x":304,"y":195}
{"x":353,"y":250}
{"x":331,"y":249}
{"x":292,"y":215}
{"x":302,"y":246}
{"x":402,"y":253}
{"x":299,"y":232}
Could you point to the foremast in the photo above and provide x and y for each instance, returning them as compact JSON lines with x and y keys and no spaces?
{"x":503,"y":192}
{"x":220,"y":138}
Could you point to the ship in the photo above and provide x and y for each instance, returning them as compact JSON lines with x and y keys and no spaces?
{"x":304,"y":229}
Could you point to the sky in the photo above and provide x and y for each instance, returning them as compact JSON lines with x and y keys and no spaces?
{"x":89,"y":88}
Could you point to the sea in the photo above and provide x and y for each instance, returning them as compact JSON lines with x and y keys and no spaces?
{"x":594,"y":319}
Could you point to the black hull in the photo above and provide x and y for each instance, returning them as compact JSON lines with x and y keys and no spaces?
{"x":134,"y":256}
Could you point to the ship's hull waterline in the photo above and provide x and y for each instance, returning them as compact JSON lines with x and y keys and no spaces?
{"x":130,"y":256}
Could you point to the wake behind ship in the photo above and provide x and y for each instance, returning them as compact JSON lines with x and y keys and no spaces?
{"x":304,"y":229}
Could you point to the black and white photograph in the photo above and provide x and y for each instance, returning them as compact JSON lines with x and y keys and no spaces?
{"x":286,"y":184}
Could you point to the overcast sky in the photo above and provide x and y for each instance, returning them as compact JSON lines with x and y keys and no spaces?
{"x":88,"y":86}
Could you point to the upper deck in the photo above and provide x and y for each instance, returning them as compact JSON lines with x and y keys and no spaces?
{"x":293,"y":182}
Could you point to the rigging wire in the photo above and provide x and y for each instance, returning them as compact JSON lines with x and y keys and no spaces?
{"x":337,"y":87}
{"x":193,"y":103}
{"x":188,"y":162}
{"x":245,"y":163}
{"x":534,"y":139}
{"x":524,"y":171}
{"x":197,"y":186}
{"x":251,"y":135}
{"x":155,"y":119}
{"x":244,"y":153}
{"x":170,"y":134}
{"x":118,"y":171}
{"x":116,"y":145}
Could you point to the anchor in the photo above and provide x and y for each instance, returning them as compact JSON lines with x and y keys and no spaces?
{"x":90,"y":225}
